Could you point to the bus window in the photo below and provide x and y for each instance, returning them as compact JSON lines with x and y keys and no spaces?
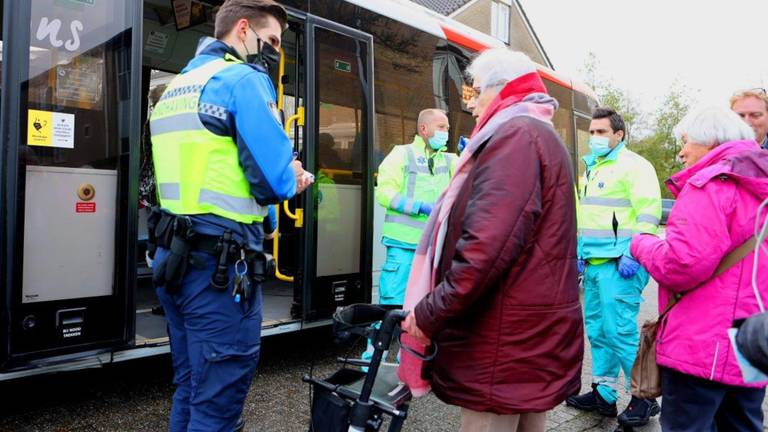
{"x":405,"y":74}
{"x":293,"y":79}
{"x":583,"y":103}
{"x":340,"y":152}
{"x":582,"y":137}
{"x":563,"y":120}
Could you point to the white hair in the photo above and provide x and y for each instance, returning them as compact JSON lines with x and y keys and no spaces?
{"x":713,"y":125}
{"x":498,"y":66}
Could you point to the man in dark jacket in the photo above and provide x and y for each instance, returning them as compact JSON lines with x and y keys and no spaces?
{"x":504,"y":307}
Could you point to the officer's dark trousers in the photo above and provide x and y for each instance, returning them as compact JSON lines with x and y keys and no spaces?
{"x":215,"y":347}
{"x":693,"y":404}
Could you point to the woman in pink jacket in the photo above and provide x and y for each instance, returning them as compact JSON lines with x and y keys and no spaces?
{"x":724,"y":181}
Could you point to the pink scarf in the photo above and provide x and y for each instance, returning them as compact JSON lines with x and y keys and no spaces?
{"x":525,"y":96}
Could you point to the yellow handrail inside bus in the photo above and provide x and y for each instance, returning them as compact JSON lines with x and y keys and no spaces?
{"x":276,"y":238}
{"x":298,"y":217}
{"x":298,"y":118}
{"x":276,"y":251}
{"x":280,"y":86}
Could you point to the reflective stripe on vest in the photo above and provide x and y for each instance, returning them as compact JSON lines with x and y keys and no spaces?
{"x":190,"y":181}
{"x":405,"y":220}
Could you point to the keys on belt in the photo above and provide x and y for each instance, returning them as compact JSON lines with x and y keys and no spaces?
{"x":242,"y":284}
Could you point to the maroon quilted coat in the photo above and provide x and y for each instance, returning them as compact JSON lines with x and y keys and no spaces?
{"x":506,"y":314}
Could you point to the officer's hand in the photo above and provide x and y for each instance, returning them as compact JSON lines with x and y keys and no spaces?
{"x":304,"y":182}
{"x":628,"y":266}
{"x":303,"y":178}
{"x":298,"y":170}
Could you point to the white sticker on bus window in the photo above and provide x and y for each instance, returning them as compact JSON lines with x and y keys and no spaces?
{"x":156,"y":42}
{"x":50,"y":129}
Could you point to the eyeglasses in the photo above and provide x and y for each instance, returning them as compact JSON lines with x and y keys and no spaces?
{"x":476,"y":90}
{"x":758,"y":90}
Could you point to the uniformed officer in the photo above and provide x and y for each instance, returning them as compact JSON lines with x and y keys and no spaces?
{"x":410,"y":180}
{"x":221,"y":157}
{"x":619,"y":197}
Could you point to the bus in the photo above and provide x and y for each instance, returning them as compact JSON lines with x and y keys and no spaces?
{"x":78,"y":80}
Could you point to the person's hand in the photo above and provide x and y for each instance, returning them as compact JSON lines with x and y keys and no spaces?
{"x":303,"y":178}
{"x":411,"y":327}
{"x":425,"y":208}
{"x":581,"y":265}
{"x":628,"y":266}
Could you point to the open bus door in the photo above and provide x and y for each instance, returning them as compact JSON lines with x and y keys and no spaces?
{"x":325,"y":91}
{"x":340,"y":125}
{"x":70,"y":128}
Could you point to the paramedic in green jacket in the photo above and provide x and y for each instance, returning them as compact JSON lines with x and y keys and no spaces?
{"x":619,"y":197}
{"x":410,"y":180}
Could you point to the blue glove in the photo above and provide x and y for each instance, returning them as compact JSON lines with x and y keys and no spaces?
{"x":425,"y":208}
{"x":580,"y":265}
{"x":628,"y":266}
{"x":463,"y":141}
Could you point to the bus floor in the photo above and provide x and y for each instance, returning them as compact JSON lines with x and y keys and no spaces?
{"x":277,"y":297}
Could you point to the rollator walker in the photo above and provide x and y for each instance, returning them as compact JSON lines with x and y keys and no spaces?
{"x":355,"y":400}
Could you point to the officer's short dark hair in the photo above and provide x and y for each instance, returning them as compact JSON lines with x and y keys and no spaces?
{"x":617,"y":123}
{"x":255,"y":11}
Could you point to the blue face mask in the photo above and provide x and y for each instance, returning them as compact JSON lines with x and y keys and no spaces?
{"x":438,"y":140}
{"x":600,"y":145}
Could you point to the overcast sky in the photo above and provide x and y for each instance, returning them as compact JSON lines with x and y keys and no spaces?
{"x":643,"y":46}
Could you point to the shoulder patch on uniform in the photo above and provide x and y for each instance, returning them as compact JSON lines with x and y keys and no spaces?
{"x":275,"y":112}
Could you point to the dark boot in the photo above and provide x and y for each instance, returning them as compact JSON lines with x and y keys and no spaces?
{"x":638,"y":412}
{"x":592,"y":401}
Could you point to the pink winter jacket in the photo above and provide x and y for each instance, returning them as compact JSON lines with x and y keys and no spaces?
{"x":717,"y":201}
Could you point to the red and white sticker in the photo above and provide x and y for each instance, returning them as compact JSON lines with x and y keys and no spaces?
{"x":85,"y":207}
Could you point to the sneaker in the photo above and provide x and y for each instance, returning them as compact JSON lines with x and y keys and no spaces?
{"x":638,"y":412}
{"x":592,"y":401}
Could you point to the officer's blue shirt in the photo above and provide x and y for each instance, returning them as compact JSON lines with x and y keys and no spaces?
{"x":247,"y":94}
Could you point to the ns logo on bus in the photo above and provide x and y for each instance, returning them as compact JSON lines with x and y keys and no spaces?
{"x":49,"y":29}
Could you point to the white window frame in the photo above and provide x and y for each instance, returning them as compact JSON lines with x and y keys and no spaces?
{"x":501,"y":10}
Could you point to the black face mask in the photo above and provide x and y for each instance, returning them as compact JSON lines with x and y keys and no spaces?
{"x":267,"y":56}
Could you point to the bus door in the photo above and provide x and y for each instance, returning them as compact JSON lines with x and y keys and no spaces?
{"x":283,"y":294}
{"x":340,"y":125}
{"x":70,"y":118}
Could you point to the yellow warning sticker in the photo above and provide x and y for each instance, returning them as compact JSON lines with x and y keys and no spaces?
{"x":39,"y":129}
{"x":50,"y":129}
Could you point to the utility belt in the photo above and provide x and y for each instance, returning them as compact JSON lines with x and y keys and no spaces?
{"x":175,"y":234}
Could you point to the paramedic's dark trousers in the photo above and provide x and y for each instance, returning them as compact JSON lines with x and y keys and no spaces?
{"x":692,"y":404}
{"x":215,"y":347}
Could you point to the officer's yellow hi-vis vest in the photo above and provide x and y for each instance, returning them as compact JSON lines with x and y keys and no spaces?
{"x":619,"y":197}
{"x":405,"y":182}
{"x":197,"y":171}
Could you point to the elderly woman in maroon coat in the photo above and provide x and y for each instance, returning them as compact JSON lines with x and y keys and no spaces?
{"x":494,"y":280}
